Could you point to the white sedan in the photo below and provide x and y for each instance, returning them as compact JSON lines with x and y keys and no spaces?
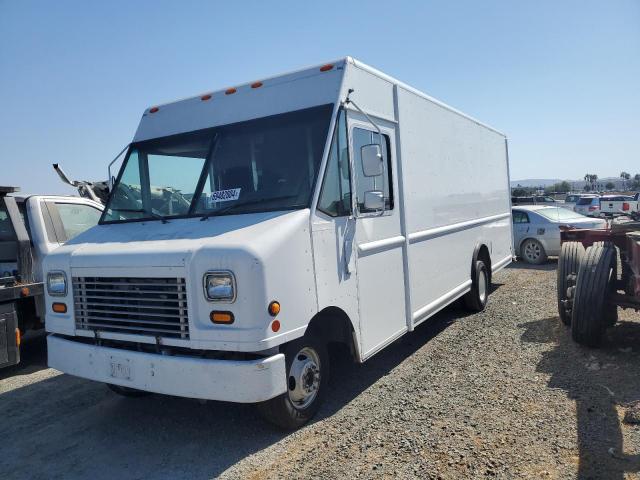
{"x":536,"y":230}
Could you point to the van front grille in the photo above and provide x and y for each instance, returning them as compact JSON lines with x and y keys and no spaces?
{"x":144,"y":306}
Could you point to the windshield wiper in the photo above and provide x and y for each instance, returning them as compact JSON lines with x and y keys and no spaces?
{"x":255,"y":201}
{"x":142,"y":210}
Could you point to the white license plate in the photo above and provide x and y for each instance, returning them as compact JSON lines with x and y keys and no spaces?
{"x":120,"y":368}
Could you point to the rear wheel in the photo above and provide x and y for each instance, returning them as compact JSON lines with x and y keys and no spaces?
{"x":532,"y":251}
{"x":568,"y":265}
{"x":307,"y":366}
{"x":476,"y":299}
{"x":592,"y":313}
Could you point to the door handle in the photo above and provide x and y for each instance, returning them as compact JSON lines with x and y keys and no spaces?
{"x":347,"y":245}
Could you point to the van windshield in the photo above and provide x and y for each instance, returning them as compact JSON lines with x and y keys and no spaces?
{"x":585,"y":200}
{"x":260,"y":165}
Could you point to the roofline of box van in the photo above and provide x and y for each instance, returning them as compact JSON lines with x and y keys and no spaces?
{"x":356,"y":63}
{"x":414,"y":90}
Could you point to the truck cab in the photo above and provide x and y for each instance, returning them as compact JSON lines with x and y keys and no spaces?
{"x":31,"y":227}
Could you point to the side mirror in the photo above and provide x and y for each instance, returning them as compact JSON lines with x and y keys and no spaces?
{"x":371,"y":160}
{"x":373,"y":200}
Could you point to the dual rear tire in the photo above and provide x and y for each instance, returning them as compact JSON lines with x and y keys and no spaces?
{"x":568,"y":264}
{"x":592,"y":310}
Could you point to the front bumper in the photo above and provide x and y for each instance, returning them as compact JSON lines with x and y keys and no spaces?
{"x":242,"y":381}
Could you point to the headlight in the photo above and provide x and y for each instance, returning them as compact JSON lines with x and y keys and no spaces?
{"x":57,"y":284}
{"x":220,"y":286}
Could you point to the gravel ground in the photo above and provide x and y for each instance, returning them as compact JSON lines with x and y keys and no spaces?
{"x":503,"y":394}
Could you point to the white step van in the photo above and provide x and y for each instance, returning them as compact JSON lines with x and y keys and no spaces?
{"x":250,"y":227}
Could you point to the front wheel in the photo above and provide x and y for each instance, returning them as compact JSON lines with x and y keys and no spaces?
{"x":307,"y":366}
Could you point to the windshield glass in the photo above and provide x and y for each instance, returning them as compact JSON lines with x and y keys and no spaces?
{"x":559,"y":214}
{"x":259,"y":165}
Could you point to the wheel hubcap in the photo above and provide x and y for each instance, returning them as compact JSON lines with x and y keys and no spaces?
{"x":304,"y":377}
{"x":532,"y":251}
{"x":482,"y":287}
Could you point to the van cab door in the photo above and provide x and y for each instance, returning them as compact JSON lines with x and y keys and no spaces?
{"x":379,"y":244}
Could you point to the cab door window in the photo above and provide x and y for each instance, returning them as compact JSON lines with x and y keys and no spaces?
{"x":383,"y":182}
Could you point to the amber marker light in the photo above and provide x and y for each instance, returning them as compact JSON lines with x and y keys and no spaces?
{"x":230,"y":91}
{"x":274,"y":308}
{"x":59,"y":307}
{"x":275,"y":325}
{"x":206,"y":97}
{"x":224,"y":318}
{"x":256,"y":85}
{"x":24,"y":291}
{"x":153,"y":109}
{"x":326,"y":68}
{"x":18,"y":337}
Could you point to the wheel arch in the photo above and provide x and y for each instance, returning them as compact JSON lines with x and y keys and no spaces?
{"x":481,"y":252}
{"x":334,"y":326}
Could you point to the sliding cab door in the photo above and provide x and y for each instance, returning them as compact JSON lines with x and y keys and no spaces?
{"x":378,"y":238}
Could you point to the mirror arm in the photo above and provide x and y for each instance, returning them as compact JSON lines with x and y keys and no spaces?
{"x":349,"y":101}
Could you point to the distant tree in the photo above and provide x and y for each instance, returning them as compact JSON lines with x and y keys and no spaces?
{"x":591,"y":179}
{"x":624,"y":176}
{"x":610,"y":186}
{"x":587,"y":187}
{"x":520,"y":192}
{"x":636,"y":182}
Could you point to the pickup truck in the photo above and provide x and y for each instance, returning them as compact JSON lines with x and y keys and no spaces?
{"x":31,"y":226}
{"x":611,"y":205}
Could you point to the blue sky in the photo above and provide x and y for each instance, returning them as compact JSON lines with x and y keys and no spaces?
{"x":561,"y":78}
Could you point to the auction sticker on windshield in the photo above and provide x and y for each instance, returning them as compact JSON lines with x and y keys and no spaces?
{"x":224,"y":195}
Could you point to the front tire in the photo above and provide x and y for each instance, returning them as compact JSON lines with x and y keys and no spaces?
{"x":307,"y":366}
{"x":476,"y":299}
{"x":597,"y":277}
{"x":568,"y":265}
{"x":532,"y":251}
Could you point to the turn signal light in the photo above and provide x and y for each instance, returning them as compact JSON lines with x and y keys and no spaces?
{"x":275,"y":325}
{"x":24,"y":291}
{"x":18,"y":337}
{"x":221,"y":317}
{"x":274,"y":308}
{"x":59,"y":307}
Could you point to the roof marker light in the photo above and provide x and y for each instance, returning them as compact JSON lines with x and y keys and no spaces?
{"x":326,"y":68}
{"x":256,"y":85}
{"x":153,"y":109}
{"x":206,"y":97}
{"x":230,"y":91}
